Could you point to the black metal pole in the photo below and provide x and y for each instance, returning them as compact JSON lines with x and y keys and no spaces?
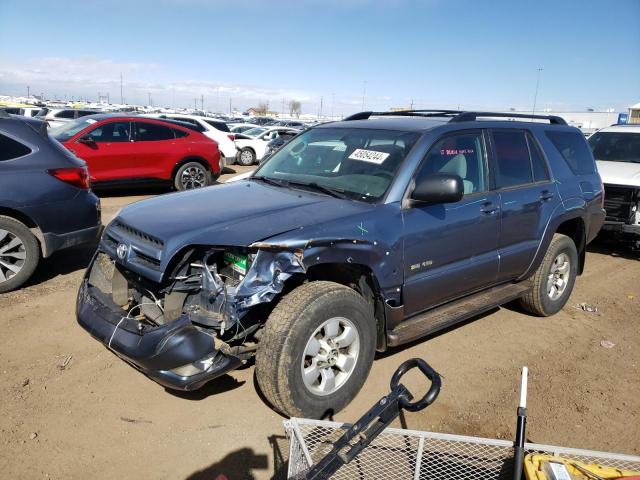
{"x":521,"y":428}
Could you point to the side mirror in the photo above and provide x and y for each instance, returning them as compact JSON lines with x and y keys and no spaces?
{"x":438,"y":188}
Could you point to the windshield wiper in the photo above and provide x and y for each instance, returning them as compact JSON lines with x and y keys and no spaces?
{"x":334,"y":192}
{"x":271,"y":181}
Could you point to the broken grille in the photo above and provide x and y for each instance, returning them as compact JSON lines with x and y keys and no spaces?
{"x":618,"y":202}
{"x":409,"y":454}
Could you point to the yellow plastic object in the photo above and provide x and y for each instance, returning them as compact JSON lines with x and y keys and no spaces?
{"x":533,"y":468}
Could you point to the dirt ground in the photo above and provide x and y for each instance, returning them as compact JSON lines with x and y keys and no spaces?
{"x":70,"y":409}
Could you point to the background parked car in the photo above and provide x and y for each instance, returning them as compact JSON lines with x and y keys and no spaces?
{"x":24,"y":111}
{"x":617,"y":153}
{"x":214,"y":129}
{"x":132,"y":149}
{"x":58,"y":116}
{"x":45,"y":201}
{"x":242,"y":127}
{"x":252,"y":144}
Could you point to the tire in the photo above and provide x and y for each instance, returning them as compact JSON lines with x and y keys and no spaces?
{"x":247,"y":157}
{"x":16,"y":242}
{"x":288,"y":336}
{"x":542,"y":300}
{"x":192,"y":175}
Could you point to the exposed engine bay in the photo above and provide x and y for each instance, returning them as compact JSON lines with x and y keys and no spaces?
{"x":215,"y":288}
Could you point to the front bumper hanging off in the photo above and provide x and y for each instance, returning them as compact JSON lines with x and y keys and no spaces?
{"x":158,"y":351}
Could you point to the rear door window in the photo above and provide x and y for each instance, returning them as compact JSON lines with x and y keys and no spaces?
{"x":151,"y":132}
{"x":10,"y":148}
{"x":512,"y":162}
{"x":66,"y":114}
{"x":540,"y":172}
{"x":575,"y":151}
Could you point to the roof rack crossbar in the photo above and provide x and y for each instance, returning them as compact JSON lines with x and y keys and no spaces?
{"x":472,"y":116}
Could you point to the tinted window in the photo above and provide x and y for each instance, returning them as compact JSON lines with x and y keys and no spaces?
{"x":83,"y":113}
{"x":573,"y":148}
{"x":461,"y":155}
{"x":180,"y":133}
{"x":66,"y":114}
{"x":218,"y":125}
{"x":9,"y":148}
{"x":513,"y":166}
{"x":616,"y":146}
{"x":187,"y":120}
{"x":150,"y":132}
{"x":111,"y":132}
{"x":43,"y":112}
{"x":540,"y":172}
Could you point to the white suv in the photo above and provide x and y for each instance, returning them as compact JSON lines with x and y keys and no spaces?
{"x":617,"y":153}
{"x":214,"y":129}
{"x":59,"y":116}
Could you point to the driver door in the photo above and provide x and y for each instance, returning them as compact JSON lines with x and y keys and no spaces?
{"x":451,"y":249}
{"x":107,"y":150}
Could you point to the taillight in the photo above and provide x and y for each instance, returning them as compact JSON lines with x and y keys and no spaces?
{"x":231,"y":136}
{"x":78,"y":177}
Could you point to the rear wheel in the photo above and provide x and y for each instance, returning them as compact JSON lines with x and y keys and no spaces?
{"x":19,"y":254}
{"x":192,"y":175}
{"x":247,"y":157}
{"x":316,"y":350}
{"x":554,"y":280}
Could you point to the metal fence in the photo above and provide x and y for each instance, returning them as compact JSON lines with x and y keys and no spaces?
{"x":410,"y":454}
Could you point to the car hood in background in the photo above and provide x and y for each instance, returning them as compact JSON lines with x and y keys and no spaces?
{"x":619,"y":173}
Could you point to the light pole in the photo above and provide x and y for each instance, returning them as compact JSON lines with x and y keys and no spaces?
{"x":535,"y":96}
{"x":364,"y":93}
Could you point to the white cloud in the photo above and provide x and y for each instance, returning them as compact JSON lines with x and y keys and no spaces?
{"x":85,"y":76}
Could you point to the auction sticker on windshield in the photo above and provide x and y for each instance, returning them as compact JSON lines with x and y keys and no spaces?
{"x":368,"y":156}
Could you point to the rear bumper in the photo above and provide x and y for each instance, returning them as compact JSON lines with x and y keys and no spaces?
{"x":54,"y":241}
{"x":153,"y":351}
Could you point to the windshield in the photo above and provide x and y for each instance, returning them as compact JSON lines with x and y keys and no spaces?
{"x":67,"y":130}
{"x":359,"y":163}
{"x":616,"y":146}
{"x":254,"y":132}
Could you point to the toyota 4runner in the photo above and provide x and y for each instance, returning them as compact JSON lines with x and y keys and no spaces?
{"x":354,"y":237}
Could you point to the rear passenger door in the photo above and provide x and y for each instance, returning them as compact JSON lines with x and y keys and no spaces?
{"x":451,"y":249}
{"x":154,"y":151}
{"x":527,"y":195}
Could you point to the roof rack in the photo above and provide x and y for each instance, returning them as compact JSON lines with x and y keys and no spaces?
{"x":456,"y":115}
{"x":404,"y":113}
{"x":472,"y":116}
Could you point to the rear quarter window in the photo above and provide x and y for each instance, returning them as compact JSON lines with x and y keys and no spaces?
{"x":573,"y":147}
{"x":10,"y":148}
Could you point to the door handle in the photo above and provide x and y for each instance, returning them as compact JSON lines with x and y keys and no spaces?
{"x":488,"y":208}
{"x":546,"y":195}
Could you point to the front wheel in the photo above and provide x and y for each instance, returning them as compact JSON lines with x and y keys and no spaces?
{"x":192,"y":175}
{"x":316,"y":350}
{"x":554,"y":280}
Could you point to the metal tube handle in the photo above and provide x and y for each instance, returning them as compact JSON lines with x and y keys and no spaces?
{"x":428,"y":372}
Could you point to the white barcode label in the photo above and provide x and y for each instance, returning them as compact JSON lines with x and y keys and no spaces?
{"x":368,"y":156}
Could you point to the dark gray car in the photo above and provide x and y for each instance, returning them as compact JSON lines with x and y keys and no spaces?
{"x":45,"y":201}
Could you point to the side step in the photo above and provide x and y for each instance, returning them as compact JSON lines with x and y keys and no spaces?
{"x":454,"y":312}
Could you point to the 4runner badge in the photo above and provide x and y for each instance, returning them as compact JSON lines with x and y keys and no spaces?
{"x":121,"y":251}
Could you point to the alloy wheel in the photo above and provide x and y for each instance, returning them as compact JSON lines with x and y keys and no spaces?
{"x":12,"y":255}
{"x":193,"y":177}
{"x":330,"y":356}
{"x":558,"y":277}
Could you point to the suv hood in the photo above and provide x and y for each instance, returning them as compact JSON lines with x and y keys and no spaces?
{"x":234,"y":214}
{"x":619,"y":173}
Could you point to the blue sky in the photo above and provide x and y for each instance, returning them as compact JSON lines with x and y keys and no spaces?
{"x":436,"y":53}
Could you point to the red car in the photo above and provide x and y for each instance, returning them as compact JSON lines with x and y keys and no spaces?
{"x":129,"y":149}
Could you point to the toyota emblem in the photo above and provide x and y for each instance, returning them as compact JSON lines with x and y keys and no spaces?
{"x":121,"y":251}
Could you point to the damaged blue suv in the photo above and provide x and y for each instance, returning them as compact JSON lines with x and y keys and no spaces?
{"x":354,"y":237}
